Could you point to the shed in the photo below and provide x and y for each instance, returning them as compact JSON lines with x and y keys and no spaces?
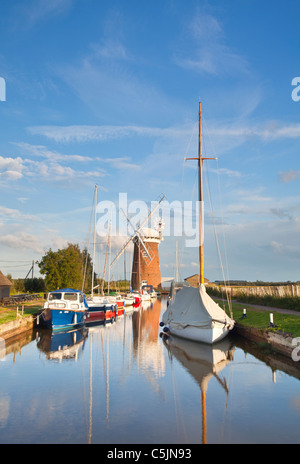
{"x":194,"y":280}
{"x":5,"y":285}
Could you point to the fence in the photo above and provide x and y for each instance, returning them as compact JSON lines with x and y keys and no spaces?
{"x":10,"y":300}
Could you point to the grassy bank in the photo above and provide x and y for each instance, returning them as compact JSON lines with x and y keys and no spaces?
{"x":260,"y":319}
{"x":10,"y":314}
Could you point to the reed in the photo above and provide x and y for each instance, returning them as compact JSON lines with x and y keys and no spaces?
{"x":255,"y":296}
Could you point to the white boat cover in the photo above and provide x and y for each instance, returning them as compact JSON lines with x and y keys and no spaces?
{"x":194,"y":307}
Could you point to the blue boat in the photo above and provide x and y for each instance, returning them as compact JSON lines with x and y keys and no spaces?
{"x":62,"y":345}
{"x":65,"y":309}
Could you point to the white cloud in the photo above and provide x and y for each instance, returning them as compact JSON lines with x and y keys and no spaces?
{"x":22,"y":241}
{"x":44,"y":152}
{"x":11,"y":164}
{"x":13,"y":175}
{"x":7,"y":214}
{"x":208,"y":52}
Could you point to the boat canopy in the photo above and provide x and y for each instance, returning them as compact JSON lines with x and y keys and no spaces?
{"x":72,"y":290}
{"x":193,"y":307}
{"x":67,"y":290}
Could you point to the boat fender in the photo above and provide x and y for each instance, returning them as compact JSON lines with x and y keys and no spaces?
{"x":166,"y":329}
{"x":161,"y":324}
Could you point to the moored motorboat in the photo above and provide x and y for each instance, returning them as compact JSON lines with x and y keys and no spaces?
{"x":129,"y":300}
{"x":101,"y":309}
{"x":136,"y":296}
{"x":64,"y":309}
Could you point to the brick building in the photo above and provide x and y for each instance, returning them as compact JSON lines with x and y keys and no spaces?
{"x":194,"y":280}
{"x":144,"y":268}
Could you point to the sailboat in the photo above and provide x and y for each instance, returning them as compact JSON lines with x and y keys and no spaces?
{"x":100,"y":308}
{"x":191,"y":313}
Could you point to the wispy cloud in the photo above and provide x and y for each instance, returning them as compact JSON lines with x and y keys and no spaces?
{"x":8,"y":215}
{"x":269,"y":131}
{"x":208,"y":51}
{"x":37,"y":10}
{"x":289,"y":176}
{"x":102,"y":133}
{"x":120,"y":163}
{"x":44,"y":152}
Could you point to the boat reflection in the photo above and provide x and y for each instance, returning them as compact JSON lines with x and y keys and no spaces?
{"x":203,"y":362}
{"x":59,"y":346}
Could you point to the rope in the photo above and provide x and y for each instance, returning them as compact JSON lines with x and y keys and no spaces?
{"x":215,"y":231}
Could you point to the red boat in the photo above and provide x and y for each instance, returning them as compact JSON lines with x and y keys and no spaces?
{"x":101,"y":313}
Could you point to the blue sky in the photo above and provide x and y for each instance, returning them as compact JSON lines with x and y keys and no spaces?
{"x":107,"y":93}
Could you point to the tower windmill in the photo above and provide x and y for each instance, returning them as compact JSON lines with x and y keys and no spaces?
{"x":145,"y":265}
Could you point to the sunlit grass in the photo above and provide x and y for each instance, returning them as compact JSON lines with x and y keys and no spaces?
{"x":260,"y":319}
{"x":10,"y":314}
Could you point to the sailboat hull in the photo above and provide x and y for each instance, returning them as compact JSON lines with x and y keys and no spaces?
{"x":202,"y":335}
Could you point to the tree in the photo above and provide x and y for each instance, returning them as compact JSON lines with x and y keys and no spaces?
{"x":65,"y":268}
{"x":35,"y":285}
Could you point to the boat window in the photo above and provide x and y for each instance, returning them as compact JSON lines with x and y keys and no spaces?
{"x":54,"y":296}
{"x":71,"y":296}
{"x":80,"y":298}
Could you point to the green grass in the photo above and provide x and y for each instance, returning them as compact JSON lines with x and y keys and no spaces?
{"x":260,"y":319}
{"x":10,"y":314}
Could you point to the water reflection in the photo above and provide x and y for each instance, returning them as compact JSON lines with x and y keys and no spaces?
{"x":117,"y":381}
{"x":59,"y":346}
{"x":145,"y":331}
{"x":202,"y":362}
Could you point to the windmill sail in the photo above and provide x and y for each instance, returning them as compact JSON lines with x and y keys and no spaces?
{"x":137,"y":236}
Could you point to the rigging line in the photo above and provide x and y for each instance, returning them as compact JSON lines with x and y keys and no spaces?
{"x":195,"y":125}
{"x":89,"y":242}
{"x":223,"y":225}
{"x":223,"y":231}
{"x":216,"y":238}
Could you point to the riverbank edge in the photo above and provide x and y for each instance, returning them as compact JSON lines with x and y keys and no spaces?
{"x":280,"y":342}
{"x":18,"y":326}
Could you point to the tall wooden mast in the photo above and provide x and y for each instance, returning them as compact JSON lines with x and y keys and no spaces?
{"x":201,"y":215}
{"x":200,"y":165}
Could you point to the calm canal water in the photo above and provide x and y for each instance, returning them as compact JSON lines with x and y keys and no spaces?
{"x":121,"y":383}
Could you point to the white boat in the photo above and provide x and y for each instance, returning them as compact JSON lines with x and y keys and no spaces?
{"x":194,"y":315}
{"x":129,"y":300}
{"x":145,"y":296}
{"x":191,"y":313}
